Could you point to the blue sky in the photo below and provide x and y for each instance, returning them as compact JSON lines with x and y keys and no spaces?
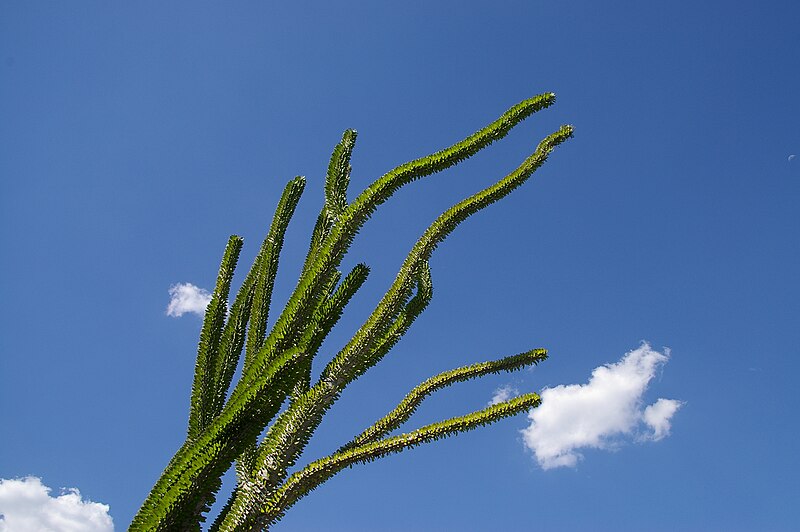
{"x":135,"y":137}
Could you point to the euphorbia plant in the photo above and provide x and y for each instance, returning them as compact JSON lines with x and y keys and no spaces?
{"x":275,"y":391}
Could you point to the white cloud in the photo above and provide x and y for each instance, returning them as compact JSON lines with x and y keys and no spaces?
{"x":600,"y":413}
{"x":186,"y":297}
{"x":503,"y":393}
{"x":658,"y":415}
{"x":26,"y":505}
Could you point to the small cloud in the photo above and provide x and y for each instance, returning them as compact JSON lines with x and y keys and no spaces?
{"x":792,"y":157}
{"x":658,"y":415}
{"x":601,"y":413}
{"x":502,"y":394}
{"x":186,"y":297}
{"x":26,"y":505}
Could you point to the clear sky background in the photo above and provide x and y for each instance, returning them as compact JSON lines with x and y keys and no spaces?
{"x":136,"y":136}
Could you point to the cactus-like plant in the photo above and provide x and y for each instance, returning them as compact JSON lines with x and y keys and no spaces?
{"x":225,"y":426}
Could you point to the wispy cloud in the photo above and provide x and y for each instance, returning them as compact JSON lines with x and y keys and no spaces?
{"x":601,"y":413}
{"x":26,"y":505}
{"x":658,"y":417}
{"x":186,"y":297}
{"x":503,"y":393}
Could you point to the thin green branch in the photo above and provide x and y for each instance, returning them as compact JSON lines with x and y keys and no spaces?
{"x":405,"y":409}
{"x":210,"y":334}
{"x":268,"y":267}
{"x":401,"y":323}
{"x":233,"y":337}
{"x":336,"y":182}
{"x":386,"y":186}
{"x":303,"y":482}
{"x":338,"y":177}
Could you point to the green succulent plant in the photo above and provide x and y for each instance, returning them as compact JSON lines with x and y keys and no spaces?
{"x":275,"y":391}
